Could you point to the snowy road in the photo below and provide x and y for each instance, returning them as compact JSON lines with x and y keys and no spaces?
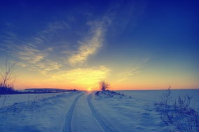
{"x":79,"y":112}
{"x":74,"y":112}
{"x":69,"y":116}
{"x":83,"y":119}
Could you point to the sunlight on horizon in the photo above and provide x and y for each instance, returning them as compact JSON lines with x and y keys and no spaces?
{"x":89,"y":90}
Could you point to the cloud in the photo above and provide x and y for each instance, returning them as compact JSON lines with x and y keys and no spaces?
{"x":86,"y":77}
{"x":47,"y":66}
{"x":37,"y":60}
{"x":36,"y":52}
{"x":88,"y":47}
{"x":53,"y":27}
{"x":132,"y":71}
{"x":49,"y":33}
{"x":8,"y":42}
{"x":128,"y":74}
{"x":31,"y":55}
{"x":47,"y":50}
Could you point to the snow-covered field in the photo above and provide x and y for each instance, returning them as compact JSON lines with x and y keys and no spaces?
{"x":132,"y":111}
{"x":7,"y":100}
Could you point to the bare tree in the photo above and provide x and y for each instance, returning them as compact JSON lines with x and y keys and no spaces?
{"x":6,"y":82}
{"x":103,"y":85}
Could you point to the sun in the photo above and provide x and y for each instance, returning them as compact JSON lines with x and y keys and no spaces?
{"x":89,"y":89}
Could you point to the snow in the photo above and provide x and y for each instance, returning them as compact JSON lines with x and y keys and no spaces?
{"x":7,"y":100}
{"x":85,"y":112}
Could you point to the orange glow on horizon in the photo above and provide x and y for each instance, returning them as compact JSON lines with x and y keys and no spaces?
{"x":87,"y":79}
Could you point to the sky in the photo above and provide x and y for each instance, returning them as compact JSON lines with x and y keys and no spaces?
{"x":138,"y":44}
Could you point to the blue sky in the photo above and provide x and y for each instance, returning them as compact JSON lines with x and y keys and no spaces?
{"x":132,"y":44}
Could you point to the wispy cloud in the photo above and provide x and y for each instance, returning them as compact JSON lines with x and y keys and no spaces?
{"x":88,"y":47}
{"x":33,"y":52}
{"x":53,"y":27}
{"x":47,"y":66}
{"x":128,"y":74}
{"x":37,"y":60}
{"x":49,"y":33}
{"x":31,"y":55}
{"x":8,"y":42}
{"x":45,"y":51}
{"x":132,"y":71}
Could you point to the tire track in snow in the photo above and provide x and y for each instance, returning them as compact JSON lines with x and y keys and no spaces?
{"x":68,"y":119}
{"x":102,"y":121}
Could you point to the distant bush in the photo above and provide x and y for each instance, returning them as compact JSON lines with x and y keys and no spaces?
{"x":178,"y":113}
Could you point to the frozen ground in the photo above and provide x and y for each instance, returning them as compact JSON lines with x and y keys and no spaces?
{"x":85,"y":112}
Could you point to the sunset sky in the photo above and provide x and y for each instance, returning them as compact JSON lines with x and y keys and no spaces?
{"x":139,"y":44}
